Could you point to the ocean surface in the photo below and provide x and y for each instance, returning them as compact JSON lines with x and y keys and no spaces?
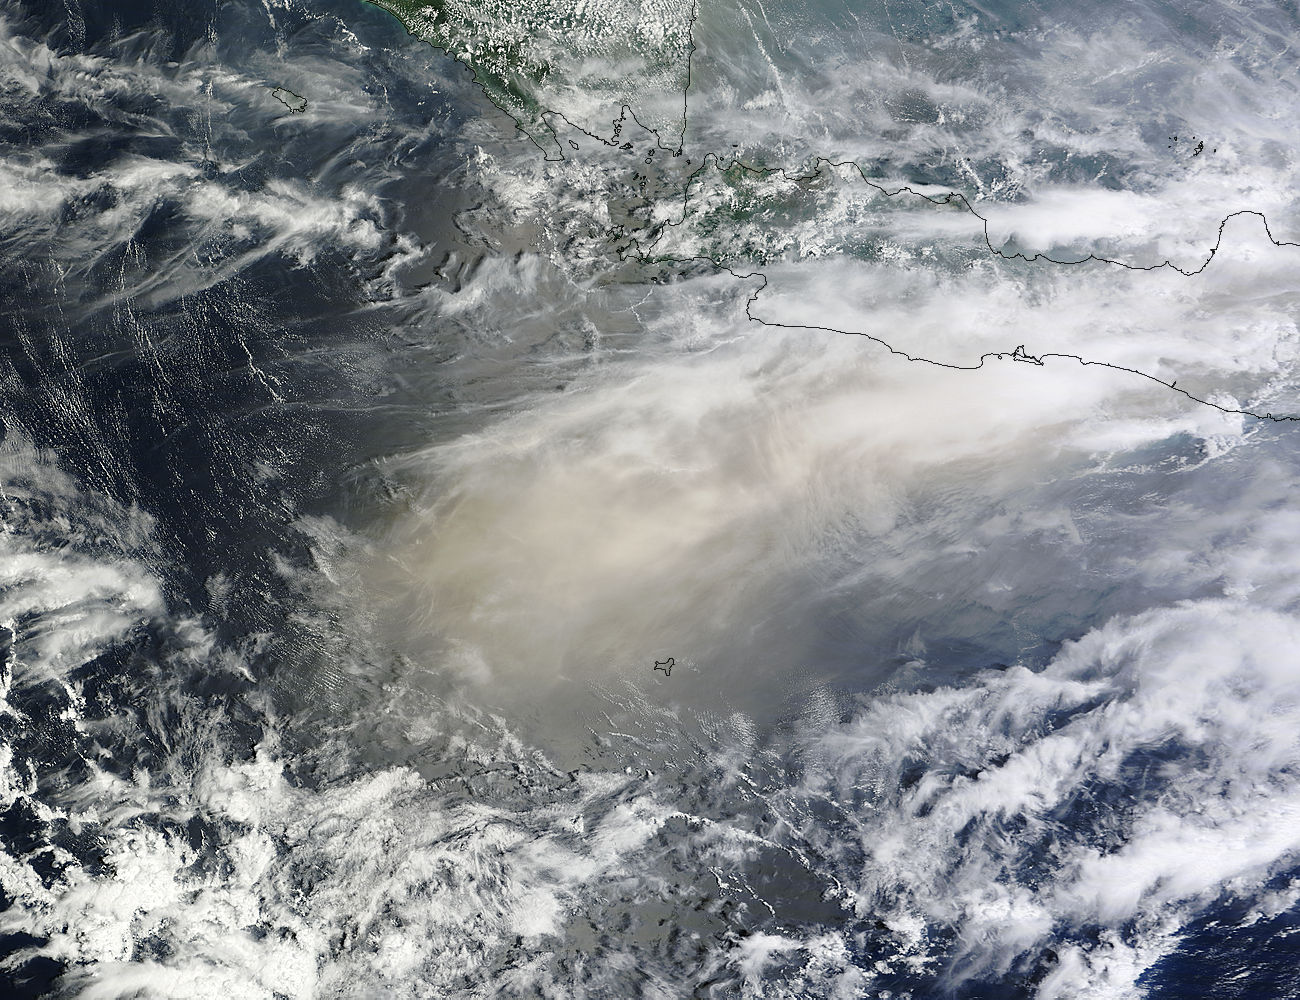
{"x":917,"y":379}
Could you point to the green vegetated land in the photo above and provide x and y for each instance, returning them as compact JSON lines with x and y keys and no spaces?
{"x":537,"y":56}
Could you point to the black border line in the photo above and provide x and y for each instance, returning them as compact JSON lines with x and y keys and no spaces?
{"x":947,"y":198}
{"x":953,"y":198}
{"x":543,"y":116}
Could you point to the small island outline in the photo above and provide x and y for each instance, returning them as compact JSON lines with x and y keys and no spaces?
{"x":294,"y":102}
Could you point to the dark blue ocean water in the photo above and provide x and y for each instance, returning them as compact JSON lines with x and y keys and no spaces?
{"x":360,"y":463}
